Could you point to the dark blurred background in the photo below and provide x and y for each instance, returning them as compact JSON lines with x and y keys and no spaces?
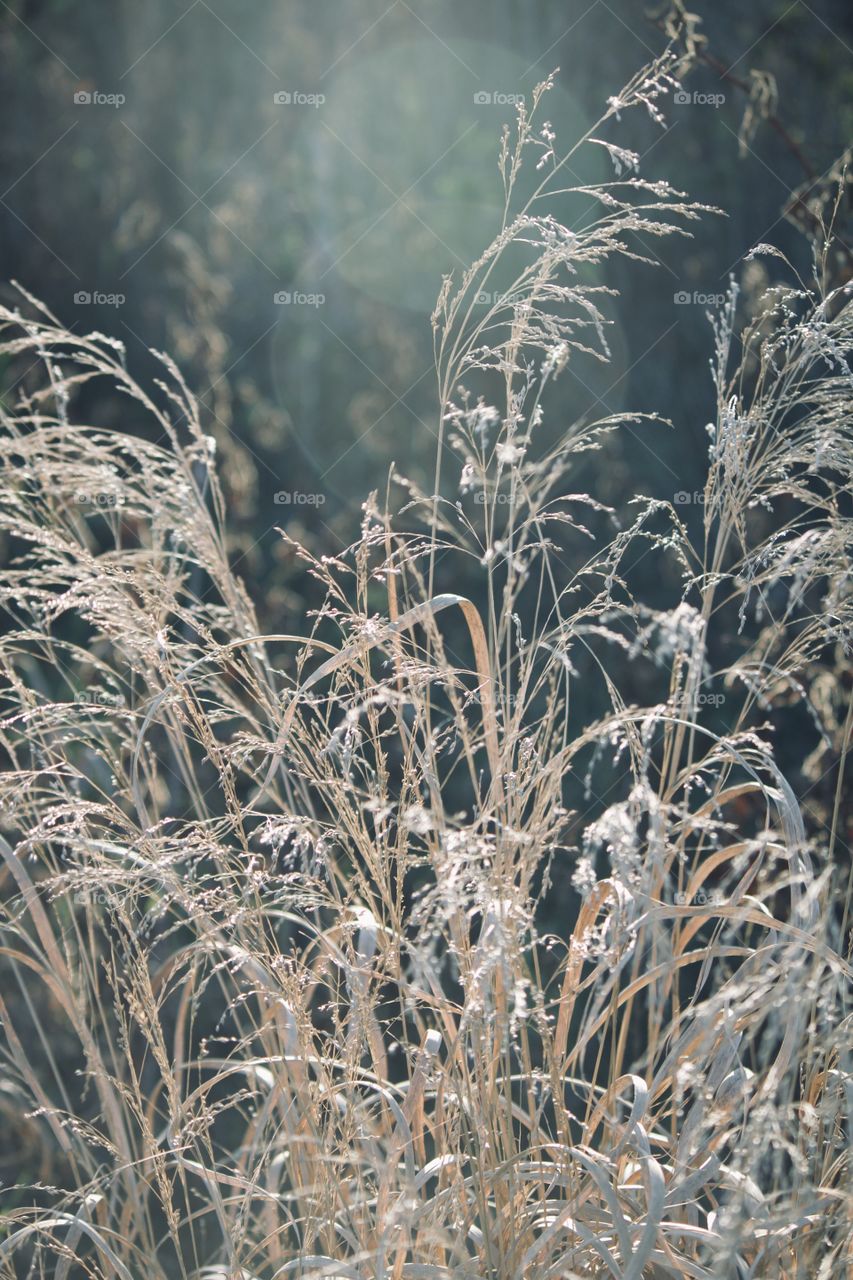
{"x":182,"y":197}
{"x":271,"y":193}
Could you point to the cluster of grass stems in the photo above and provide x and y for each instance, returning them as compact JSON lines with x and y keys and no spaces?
{"x":309,"y":967}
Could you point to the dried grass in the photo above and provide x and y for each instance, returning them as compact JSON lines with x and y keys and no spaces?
{"x":281,"y":901}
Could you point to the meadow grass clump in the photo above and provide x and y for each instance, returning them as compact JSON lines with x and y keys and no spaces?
{"x":310,"y":967}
